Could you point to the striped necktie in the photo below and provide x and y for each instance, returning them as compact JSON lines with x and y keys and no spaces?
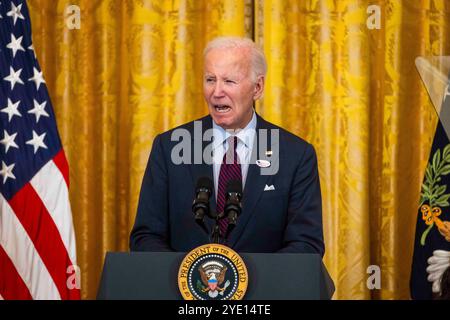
{"x":229,"y":170}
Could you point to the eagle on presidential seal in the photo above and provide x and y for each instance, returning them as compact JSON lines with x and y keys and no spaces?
{"x":212,"y":274}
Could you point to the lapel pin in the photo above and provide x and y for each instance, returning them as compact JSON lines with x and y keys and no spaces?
{"x":263,"y":163}
{"x":268,"y":153}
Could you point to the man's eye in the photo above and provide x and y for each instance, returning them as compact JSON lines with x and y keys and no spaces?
{"x":230,"y":81}
{"x":209,"y":80}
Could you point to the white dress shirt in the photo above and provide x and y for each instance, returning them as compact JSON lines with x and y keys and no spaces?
{"x":244,"y":148}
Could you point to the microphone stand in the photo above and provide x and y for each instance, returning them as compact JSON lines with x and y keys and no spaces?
{"x":216,"y":230}
{"x":216,"y":233}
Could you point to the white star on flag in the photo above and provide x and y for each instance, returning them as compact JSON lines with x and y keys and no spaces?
{"x":6,"y":172}
{"x":15,"y":12}
{"x":37,"y":78}
{"x":15,"y":44}
{"x":8,"y":140}
{"x":14,"y":77}
{"x":37,"y":141}
{"x":11,"y":109}
{"x":39,"y":110}
{"x":31,"y":47}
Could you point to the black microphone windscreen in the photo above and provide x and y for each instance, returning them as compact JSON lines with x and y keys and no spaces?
{"x":234,"y":186}
{"x":204,"y":182}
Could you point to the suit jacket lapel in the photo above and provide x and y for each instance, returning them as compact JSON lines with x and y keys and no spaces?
{"x":203,"y":169}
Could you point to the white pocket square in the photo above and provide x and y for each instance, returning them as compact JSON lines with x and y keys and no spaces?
{"x":269,"y":188}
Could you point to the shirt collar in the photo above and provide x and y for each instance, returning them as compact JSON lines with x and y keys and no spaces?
{"x":245,"y":135}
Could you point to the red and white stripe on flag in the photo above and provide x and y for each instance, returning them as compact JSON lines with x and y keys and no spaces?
{"x":37,"y":241}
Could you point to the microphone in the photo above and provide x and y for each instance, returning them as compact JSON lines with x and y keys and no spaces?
{"x":200,"y":206}
{"x":233,"y":207}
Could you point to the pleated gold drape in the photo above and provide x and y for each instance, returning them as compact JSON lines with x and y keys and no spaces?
{"x":134,"y":69}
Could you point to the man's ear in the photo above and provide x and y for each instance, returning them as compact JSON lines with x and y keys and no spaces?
{"x":259,"y":87}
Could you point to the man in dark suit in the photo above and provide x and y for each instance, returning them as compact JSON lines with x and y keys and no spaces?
{"x":281,"y":204}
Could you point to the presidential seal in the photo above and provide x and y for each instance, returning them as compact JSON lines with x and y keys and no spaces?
{"x":212,"y":272}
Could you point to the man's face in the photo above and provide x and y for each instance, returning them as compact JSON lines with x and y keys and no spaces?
{"x":228,"y":87}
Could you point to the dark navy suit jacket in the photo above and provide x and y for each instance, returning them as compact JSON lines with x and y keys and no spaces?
{"x":287,"y":219}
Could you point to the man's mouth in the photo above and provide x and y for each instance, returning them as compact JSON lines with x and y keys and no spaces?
{"x":222,"y":108}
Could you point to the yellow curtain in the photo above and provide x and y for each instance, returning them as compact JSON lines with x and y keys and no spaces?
{"x":134,"y":69}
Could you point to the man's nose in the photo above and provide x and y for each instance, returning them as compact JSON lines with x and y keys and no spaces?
{"x":218,"y":89}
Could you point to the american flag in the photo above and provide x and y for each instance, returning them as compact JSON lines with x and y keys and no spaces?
{"x":37,"y":241}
